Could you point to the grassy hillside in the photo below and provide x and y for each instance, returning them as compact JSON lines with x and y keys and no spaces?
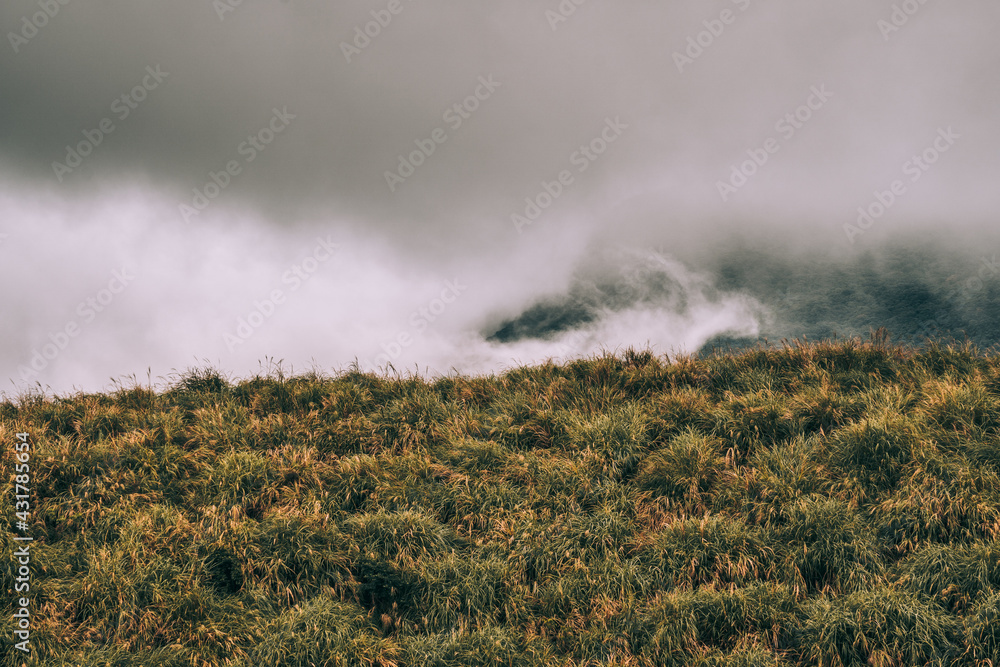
{"x":821,"y":504}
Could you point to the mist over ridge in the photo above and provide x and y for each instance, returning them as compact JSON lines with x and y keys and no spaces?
{"x":915,"y":287}
{"x":471,"y":187}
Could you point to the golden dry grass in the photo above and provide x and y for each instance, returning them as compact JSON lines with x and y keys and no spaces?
{"x":812,"y":504}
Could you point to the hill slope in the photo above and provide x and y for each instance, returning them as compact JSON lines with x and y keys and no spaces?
{"x":831,"y":504}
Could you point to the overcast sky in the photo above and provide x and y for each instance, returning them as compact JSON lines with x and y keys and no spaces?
{"x":167,"y":170}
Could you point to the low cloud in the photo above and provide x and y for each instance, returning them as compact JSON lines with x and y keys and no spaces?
{"x":207,"y":146}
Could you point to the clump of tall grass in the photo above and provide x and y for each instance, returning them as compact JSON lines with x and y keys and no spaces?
{"x":615,"y":441}
{"x":522,"y":421}
{"x":823,"y":407}
{"x":685,"y":470}
{"x":763,"y":369}
{"x":323,"y":632}
{"x":472,"y":455}
{"x":684,"y":627}
{"x":670,"y":413}
{"x":944,"y":499}
{"x":129,"y":595}
{"x":199,"y":381}
{"x":868,"y":457}
{"x":747,"y":422}
{"x":219,"y":428}
{"x":774,"y":479}
{"x":244,"y":479}
{"x":403,"y":537}
{"x":175,"y":655}
{"x":473,"y":393}
{"x":961,"y":406}
{"x":543,"y":550}
{"x":455,"y":592}
{"x":749,"y":656}
{"x":983,"y":630}
{"x":723,"y":551}
{"x":881,"y":626}
{"x":856,"y":365}
{"x":275,"y":393}
{"x":951,"y":358}
{"x":595,"y":590}
{"x":290,"y":556}
{"x":483,"y":507}
{"x":355,"y":483}
{"x":828,"y":547}
{"x":416,"y":421}
{"x":477,"y":648}
{"x":957,"y":576}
